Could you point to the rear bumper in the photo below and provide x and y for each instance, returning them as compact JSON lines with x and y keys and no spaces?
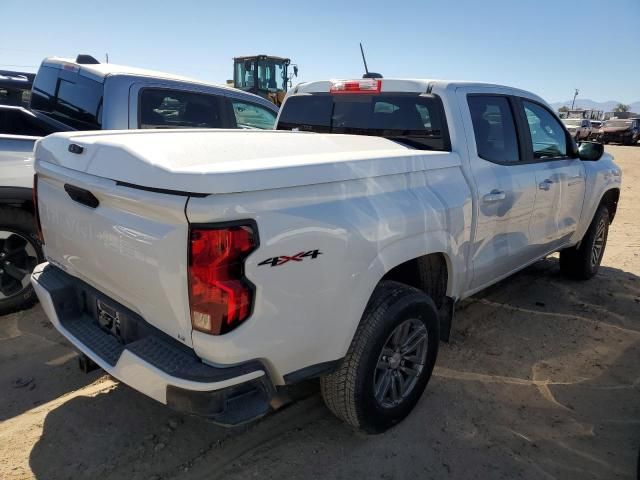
{"x":151,"y":362}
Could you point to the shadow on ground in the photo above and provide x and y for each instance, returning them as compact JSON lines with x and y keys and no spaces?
{"x":36,"y":363}
{"x":541,"y":380}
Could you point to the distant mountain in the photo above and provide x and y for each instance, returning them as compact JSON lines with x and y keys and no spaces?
{"x":607,"y":106}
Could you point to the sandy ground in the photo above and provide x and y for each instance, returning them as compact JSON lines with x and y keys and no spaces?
{"x":541,"y":381}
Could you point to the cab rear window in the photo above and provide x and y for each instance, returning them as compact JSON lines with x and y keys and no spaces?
{"x":411,"y":119}
{"x":68,"y":97}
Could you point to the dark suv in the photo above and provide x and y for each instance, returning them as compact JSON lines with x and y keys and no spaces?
{"x":15,"y":88}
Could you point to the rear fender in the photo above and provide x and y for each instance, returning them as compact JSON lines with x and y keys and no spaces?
{"x":603,"y":176}
{"x":396,"y":254}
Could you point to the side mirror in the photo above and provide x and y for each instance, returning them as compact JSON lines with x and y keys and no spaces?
{"x":590,"y":151}
{"x":295,"y":70}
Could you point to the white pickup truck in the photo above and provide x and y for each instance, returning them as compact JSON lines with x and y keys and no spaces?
{"x":209,"y":269}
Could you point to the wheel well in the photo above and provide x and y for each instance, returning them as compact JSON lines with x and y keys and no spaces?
{"x":26,"y":205}
{"x":428,"y":273}
{"x":17,"y":197}
{"x":610,"y":199}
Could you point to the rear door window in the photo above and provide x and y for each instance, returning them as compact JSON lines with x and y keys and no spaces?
{"x":165,"y":108}
{"x":494,"y":128}
{"x":251,"y":115}
{"x":410,"y":119}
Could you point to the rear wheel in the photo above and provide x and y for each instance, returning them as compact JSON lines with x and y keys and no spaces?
{"x":20,"y":252}
{"x":583,"y":262}
{"x":389,"y":362}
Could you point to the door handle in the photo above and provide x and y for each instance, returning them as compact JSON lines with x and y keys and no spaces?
{"x":81,"y":195}
{"x":494,"y":196}
{"x":545,"y":184}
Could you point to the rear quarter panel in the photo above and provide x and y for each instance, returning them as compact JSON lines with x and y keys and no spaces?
{"x":601,"y":176}
{"x":307,"y":311}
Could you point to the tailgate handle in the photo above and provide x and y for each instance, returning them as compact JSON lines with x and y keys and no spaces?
{"x":81,"y":195}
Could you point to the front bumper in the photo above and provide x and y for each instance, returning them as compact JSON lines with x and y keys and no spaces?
{"x":149,"y":360}
{"x":622,"y":137}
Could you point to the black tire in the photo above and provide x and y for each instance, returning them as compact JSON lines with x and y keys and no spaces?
{"x":20,"y":227}
{"x":582,"y":263}
{"x":349,"y":391}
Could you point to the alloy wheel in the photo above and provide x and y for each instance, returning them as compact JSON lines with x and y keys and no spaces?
{"x":18,"y":258}
{"x":400,"y":363}
{"x":598,"y":243}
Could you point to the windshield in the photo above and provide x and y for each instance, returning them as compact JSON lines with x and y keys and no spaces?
{"x":14,"y":96}
{"x":15,"y":88}
{"x":617,"y":123}
{"x":267,"y":75}
{"x":271,"y":76}
{"x":572,"y":123}
{"x":410,"y":119}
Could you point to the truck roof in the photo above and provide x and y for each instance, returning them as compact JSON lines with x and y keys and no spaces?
{"x":102,"y":70}
{"x":261,"y":55}
{"x":413,"y":85}
{"x":10,"y":79}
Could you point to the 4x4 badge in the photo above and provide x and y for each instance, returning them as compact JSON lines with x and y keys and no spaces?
{"x":298,"y":257}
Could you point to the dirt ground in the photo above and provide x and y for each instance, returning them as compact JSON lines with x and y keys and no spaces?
{"x":541,"y":380}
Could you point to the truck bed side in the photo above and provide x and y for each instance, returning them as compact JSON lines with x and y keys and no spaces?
{"x":359,"y":230}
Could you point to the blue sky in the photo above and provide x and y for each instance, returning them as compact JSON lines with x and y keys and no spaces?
{"x":547,"y":46}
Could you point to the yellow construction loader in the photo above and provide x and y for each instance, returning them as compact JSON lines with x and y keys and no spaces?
{"x":264,"y":75}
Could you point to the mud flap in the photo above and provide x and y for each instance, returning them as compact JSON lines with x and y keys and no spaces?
{"x":445,"y":314}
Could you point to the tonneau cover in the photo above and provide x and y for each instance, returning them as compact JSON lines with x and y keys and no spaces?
{"x":228,"y":161}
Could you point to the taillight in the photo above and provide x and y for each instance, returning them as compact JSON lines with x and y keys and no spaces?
{"x":220,"y":297}
{"x":36,"y":209}
{"x":365,"y":85}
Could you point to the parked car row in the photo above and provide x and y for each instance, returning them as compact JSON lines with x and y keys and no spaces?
{"x":210,"y":269}
{"x":624,"y":131}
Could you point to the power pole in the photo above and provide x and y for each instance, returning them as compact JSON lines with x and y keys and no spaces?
{"x":574,"y":98}
{"x":106,"y":57}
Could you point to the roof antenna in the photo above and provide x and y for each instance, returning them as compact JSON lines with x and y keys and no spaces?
{"x":366,"y":69}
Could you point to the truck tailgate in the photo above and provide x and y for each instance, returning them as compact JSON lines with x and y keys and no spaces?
{"x":129,"y":244}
